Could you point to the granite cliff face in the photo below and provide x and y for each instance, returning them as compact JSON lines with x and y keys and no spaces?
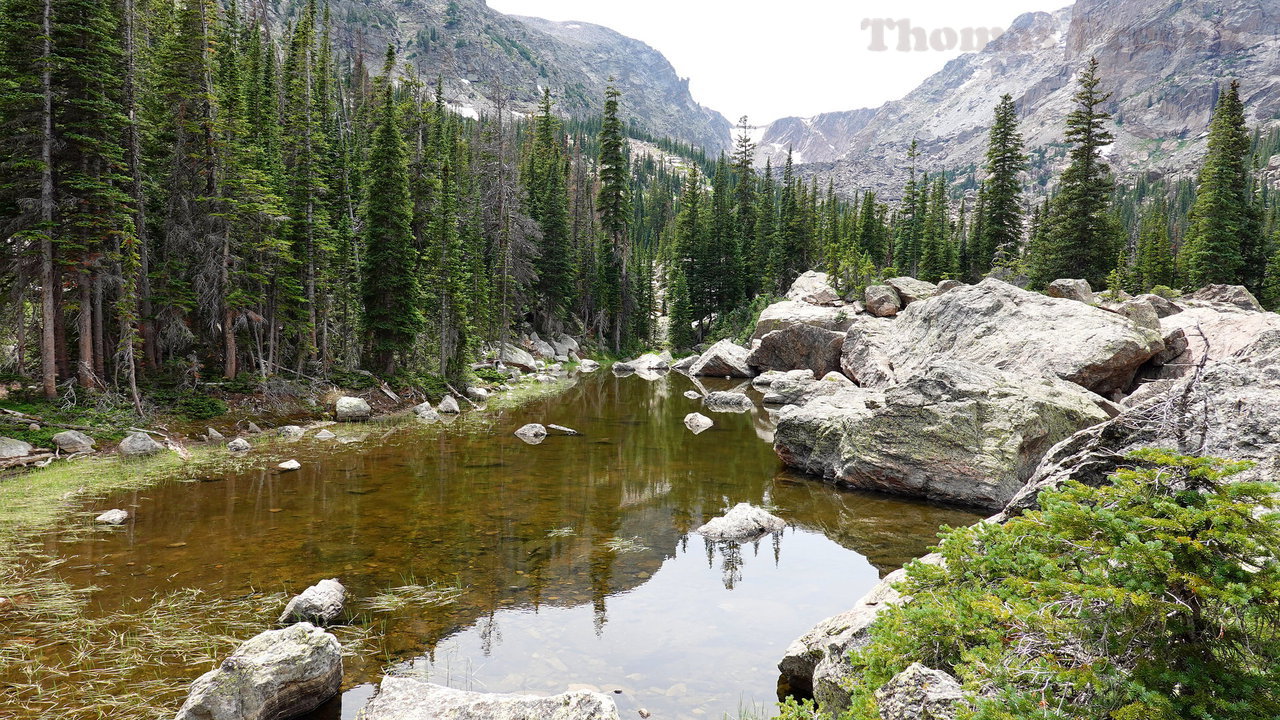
{"x":1164,"y":61}
{"x":474,"y":48}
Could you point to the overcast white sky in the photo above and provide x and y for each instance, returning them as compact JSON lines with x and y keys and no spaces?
{"x":800,"y":57}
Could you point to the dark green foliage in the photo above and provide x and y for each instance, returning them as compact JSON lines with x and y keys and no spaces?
{"x":1156,"y":596}
{"x":1081,"y":235}
{"x":1001,"y":215}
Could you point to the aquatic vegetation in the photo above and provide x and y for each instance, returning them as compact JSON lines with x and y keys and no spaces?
{"x":399,"y":598}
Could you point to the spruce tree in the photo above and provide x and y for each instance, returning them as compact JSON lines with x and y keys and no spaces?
{"x":1002,"y":189}
{"x":614,"y":205}
{"x":1081,"y":233}
{"x":1224,"y":238}
{"x":391,"y":293}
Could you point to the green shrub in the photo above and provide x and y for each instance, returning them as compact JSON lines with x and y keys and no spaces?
{"x":1156,"y":597}
{"x":1166,"y":292}
{"x":489,"y":375}
{"x":200,"y":407}
{"x":350,"y":380}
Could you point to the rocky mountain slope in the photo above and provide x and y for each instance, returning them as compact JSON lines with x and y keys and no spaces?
{"x":1164,"y":60}
{"x":470,"y":46}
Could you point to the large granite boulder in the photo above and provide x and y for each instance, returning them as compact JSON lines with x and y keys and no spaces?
{"x":742,"y":523}
{"x":275,"y":675}
{"x":919,"y":693}
{"x":516,"y":357}
{"x":798,"y":347}
{"x":541,"y":348}
{"x":565,"y":345}
{"x":957,"y":432}
{"x":882,"y":300}
{"x":138,"y":444}
{"x":1002,"y":326}
{"x":910,"y":289}
{"x":724,"y":359}
{"x":1229,"y":294}
{"x":789,"y":312}
{"x":1073,"y":289}
{"x":1211,"y":332}
{"x":814,"y":288}
{"x":320,"y":604}
{"x":351,"y":409}
{"x":1230,"y":410}
{"x":402,"y":698}
{"x":864,"y":354}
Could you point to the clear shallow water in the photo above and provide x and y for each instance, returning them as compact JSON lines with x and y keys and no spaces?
{"x":573,"y":561}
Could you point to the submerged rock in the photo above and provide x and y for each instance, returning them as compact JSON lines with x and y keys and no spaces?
{"x":275,"y":675}
{"x":351,"y":409}
{"x":724,"y":359}
{"x":412,"y":699}
{"x":959,"y":432}
{"x":320,"y":604}
{"x":728,"y":402}
{"x":138,"y":444}
{"x":743,"y":522}
{"x":692,"y":394}
{"x":697,"y":423}
{"x":112,"y":517}
{"x":533,"y":433}
{"x":561,"y":430}
{"x":919,"y":693}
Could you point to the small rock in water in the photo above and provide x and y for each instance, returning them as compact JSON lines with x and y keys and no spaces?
{"x":238,"y":445}
{"x":426,"y":413}
{"x":587,"y":365}
{"x":291,"y":432}
{"x":449,"y":405}
{"x":562,"y":430}
{"x":73,"y":441}
{"x":112,"y":517}
{"x":692,"y":394}
{"x":697,"y":422}
{"x":743,"y":522}
{"x":215,"y":436}
{"x":533,"y":433}
{"x":478,"y":394}
{"x":290,"y":465}
{"x":325,"y":435}
{"x":728,"y":402}
{"x":276,"y":674}
{"x":320,"y":604}
{"x":401,"y":698}
{"x":644,"y":713}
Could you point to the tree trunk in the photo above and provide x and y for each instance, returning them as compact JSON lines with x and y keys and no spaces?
{"x":99,"y":331}
{"x":48,"y":345}
{"x":84,"y":331}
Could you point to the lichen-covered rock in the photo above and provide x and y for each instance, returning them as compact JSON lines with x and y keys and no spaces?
{"x":957,"y":432}
{"x":765,"y":379}
{"x":239,"y":445}
{"x":400,"y":698}
{"x":742,"y":523}
{"x":516,"y":357}
{"x":910,"y":289}
{"x":813,"y":288}
{"x":320,"y":604}
{"x":946,"y":285}
{"x":275,"y":675}
{"x":919,"y":693}
{"x":1073,"y":289}
{"x":351,"y":409}
{"x":542,"y":348}
{"x":11,"y":448}
{"x":1163,"y":306}
{"x":291,"y":432}
{"x":697,"y":423}
{"x":138,"y":444}
{"x":533,"y":433}
{"x":882,"y":300}
{"x":1229,"y":294}
{"x":789,"y":312}
{"x":727,"y":402}
{"x":798,"y":347}
{"x":74,"y":441}
{"x":1002,"y":326}
{"x":724,"y":359}
{"x":684,"y":364}
{"x":587,"y":365}
{"x":791,"y":388}
{"x":112,"y":517}
{"x":1142,"y":313}
{"x":1230,"y":411}
{"x":449,"y":405}
{"x":1212,"y":333}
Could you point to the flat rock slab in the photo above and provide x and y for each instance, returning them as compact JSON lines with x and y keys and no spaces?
{"x":275,"y":675}
{"x":728,"y":402}
{"x":320,"y":604}
{"x":412,"y":699}
{"x":74,"y":441}
{"x":10,"y":448}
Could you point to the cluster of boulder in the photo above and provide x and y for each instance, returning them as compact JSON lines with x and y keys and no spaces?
{"x":293,"y":670}
{"x":987,"y":394}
